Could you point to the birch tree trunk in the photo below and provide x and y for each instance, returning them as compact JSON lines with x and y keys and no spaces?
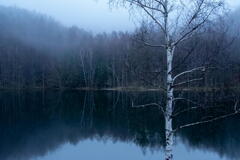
{"x":169,"y":103}
{"x":169,"y":107}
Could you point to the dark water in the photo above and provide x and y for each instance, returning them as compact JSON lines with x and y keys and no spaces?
{"x":103,"y":126}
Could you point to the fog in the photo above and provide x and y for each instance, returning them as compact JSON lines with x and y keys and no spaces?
{"x":91,"y":15}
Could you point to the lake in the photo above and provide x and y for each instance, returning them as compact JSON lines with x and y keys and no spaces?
{"x":103,"y":125}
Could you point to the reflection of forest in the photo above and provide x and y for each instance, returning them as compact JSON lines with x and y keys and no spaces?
{"x":33,"y":123}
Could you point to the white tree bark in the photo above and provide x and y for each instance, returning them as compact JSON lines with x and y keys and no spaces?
{"x":170,"y":96}
{"x":169,"y":107}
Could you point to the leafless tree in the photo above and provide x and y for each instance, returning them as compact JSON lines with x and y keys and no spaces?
{"x":178,"y":21}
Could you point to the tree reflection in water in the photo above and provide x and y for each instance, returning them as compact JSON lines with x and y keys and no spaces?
{"x":34,"y":123}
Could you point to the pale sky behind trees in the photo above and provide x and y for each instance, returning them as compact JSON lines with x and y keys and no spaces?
{"x":91,"y":15}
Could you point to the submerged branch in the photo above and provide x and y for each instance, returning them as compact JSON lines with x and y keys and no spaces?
{"x":148,"y":105}
{"x":237,"y":111}
{"x":185,"y":110}
{"x":208,"y":121}
{"x":198,"y":106}
{"x":186,"y":82}
{"x":188,"y":100}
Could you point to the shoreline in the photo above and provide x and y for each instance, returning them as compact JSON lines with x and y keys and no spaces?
{"x":125,"y":89}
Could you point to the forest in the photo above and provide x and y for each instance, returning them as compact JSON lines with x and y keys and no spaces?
{"x":36,"y":51}
{"x":169,"y":86}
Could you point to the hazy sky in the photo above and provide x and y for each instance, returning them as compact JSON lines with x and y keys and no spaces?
{"x":92,"y":15}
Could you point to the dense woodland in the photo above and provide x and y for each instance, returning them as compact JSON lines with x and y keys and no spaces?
{"x":38,"y":52}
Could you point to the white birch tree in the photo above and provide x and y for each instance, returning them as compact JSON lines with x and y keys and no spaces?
{"x":177,"y":20}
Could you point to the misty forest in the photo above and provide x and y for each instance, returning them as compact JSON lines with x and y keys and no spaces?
{"x":169,"y":89}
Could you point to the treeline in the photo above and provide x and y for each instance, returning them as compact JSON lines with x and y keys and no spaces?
{"x":38,"y":52}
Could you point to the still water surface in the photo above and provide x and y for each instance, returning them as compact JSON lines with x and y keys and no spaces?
{"x":103,"y":126}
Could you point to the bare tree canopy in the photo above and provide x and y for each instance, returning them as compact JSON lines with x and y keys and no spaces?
{"x":177,"y":19}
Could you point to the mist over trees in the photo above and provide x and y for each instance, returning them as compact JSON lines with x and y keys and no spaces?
{"x":38,"y":52}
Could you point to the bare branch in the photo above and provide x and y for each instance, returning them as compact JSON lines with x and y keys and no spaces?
{"x":187,"y":82}
{"x":189,"y":71}
{"x":162,"y":4}
{"x":185,"y":110}
{"x":146,"y":7}
{"x":149,"y":105}
{"x":155,"y":20}
{"x":208,"y":121}
{"x":152,"y":45}
{"x":149,"y":44}
{"x":139,"y":3}
{"x":188,"y":100}
{"x":197,"y":26}
{"x":198,"y":106}
{"x":194,"y":16}
{"x":211,"y":120}
{"x":185,"y":58}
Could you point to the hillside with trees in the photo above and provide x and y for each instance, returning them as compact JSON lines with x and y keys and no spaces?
{"x":38,"y":52}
